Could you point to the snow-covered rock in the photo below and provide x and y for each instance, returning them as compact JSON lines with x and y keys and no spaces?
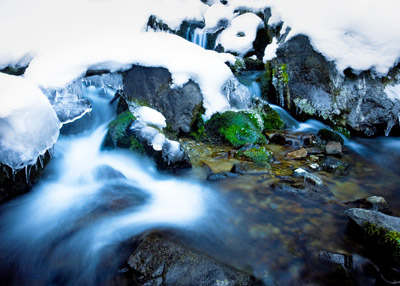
{"x":28,"y":124}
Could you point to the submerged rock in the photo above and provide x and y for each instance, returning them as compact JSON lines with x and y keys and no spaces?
{"x":333,"y":165}
{"x":159,"y":260}
{"x":298,"y":154}
{"x":334,"y":148}
{"x":375,"y":203}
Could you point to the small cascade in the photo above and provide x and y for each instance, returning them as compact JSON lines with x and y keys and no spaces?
{"x":197,"y":36}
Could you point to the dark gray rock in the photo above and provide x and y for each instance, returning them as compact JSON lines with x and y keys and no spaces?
{"x":152,"y":86}
{"x":159,"y":260}
{"x":333,"y":165}
{"x":278,"y":138}
{"x":305,"y":81}
{"x":371,"y":217}
{"x":375,"y":203}
{"x":222,"y":175}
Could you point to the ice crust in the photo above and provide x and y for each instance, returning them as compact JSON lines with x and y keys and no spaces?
{"x":28,"y":123}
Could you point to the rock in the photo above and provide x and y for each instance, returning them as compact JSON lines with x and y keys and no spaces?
{"x":308,"y":177}
{"x":128,"y":133}
{"x":380,"y":232}
{"x":307,"y":82}
{"x":334,"y":148}
{"x":222,"y":175}
{"x":298,"y":154}
{"x":257,"y":154}
{"x":235,"y":128}
{"x":333,"y":165}
{"x":310,"y":140}
{"x":152,"y":86}
{"x":159,"y":260}
{"x":314,"y":167}
{"x":328,"y":135}
{"x":375,"y":203}
{"x":278,"y":139}
{"x":240,"y":169}
{"x":315,"y":150}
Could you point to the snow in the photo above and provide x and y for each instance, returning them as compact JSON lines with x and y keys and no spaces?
{"x":393,"y":92}
{"x":360,"y":34}
{"x":28,"y":123}
{"x":270,"y":51}
{"x":240,"y":35}
{"x":150,"y":116}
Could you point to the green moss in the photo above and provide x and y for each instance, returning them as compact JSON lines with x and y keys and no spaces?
{"x":235,"y":128}
{"x":343,"y":131}
{"x":384,"y":240}
{"x":198,"y":131}
{"x":258,"y":155}
{"x":271,"y":118}
{"x":118,"y":135}
{"x":283,"y":73}
{"x":239,"y":65}
{"x":329,"y":135}
{"x":305,"y":106}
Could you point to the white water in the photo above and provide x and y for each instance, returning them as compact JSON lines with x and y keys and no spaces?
{"x":91,"y":201}
{"x":198,"y":37}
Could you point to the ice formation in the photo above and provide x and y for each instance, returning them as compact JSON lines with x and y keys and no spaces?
{"x":240,"y":35}
{"x":28,"y":123}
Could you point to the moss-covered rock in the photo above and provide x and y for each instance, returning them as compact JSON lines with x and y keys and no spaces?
{"x":271,"y":118}
{"x":118,"y":135}
{"x":256,"y":154}
{"x":235,"y":128}
{"x":328,"y":135}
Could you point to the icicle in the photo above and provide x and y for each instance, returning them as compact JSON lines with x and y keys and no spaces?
{"x":51,"y":149}
{"x":40,"y":158}
{"x":14,"y":173}
{"x":28,"y":173}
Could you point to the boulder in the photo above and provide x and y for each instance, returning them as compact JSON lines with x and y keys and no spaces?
{"x":307,"y":82}
{"x":158,"y":260}
{"x":381,"y":232}
{"x":375,"y":203}
{"x":152,"y":86}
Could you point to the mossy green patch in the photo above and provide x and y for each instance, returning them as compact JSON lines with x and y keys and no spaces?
{"x":343,"y":131}
{"x":118,"y":135}
{"x":258,"y":155}
{"x":235,"y":128}
{"x":329,"y":135}
{"x":271,"y":118}
{"x":384,"y":240}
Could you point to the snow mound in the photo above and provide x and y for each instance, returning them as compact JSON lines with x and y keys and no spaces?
{"x":28,"y":124}
{"x":150,"y":116}
{"x":240,"y":35}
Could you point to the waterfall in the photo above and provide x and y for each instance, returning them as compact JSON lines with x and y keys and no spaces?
{"x":72,"y":222}
{"x":197,"y":36}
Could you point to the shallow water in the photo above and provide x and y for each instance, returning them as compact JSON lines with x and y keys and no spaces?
{"x":70,"y":228}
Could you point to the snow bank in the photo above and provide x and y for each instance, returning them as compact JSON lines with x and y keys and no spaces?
{"x":360,"y":34}
{"x":240,"y":35}
{"x":28,"y":123}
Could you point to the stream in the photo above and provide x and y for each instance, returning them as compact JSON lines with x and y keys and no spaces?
{"x":70,"y":229}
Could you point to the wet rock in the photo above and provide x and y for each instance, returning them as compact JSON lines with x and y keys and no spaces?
{"x":308,"y":177}
{"x":106,"y":172}
{"x":306,"y":81}
{"x":333,"y":165}
{"x":239,"y":169}
{"x":278,"y":138}
{"x":288,"y":189}
{"x":152,"y":86}
{"x":310,"y":140}
{"x":334,"y":148}
{"x":329,"y":135}
{"x":222,"y":175}
{"x":380,"y":232}
{"x":314,"y":167}
{"x":375,"y":203}
{"x":159,"y":260}
{"x":298,"y":154}
{"x":236,"y":128}
{"x":315,"y":150}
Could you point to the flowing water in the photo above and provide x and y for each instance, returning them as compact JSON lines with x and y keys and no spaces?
{"x":90,"y":202}
{"x":69,"y":229}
